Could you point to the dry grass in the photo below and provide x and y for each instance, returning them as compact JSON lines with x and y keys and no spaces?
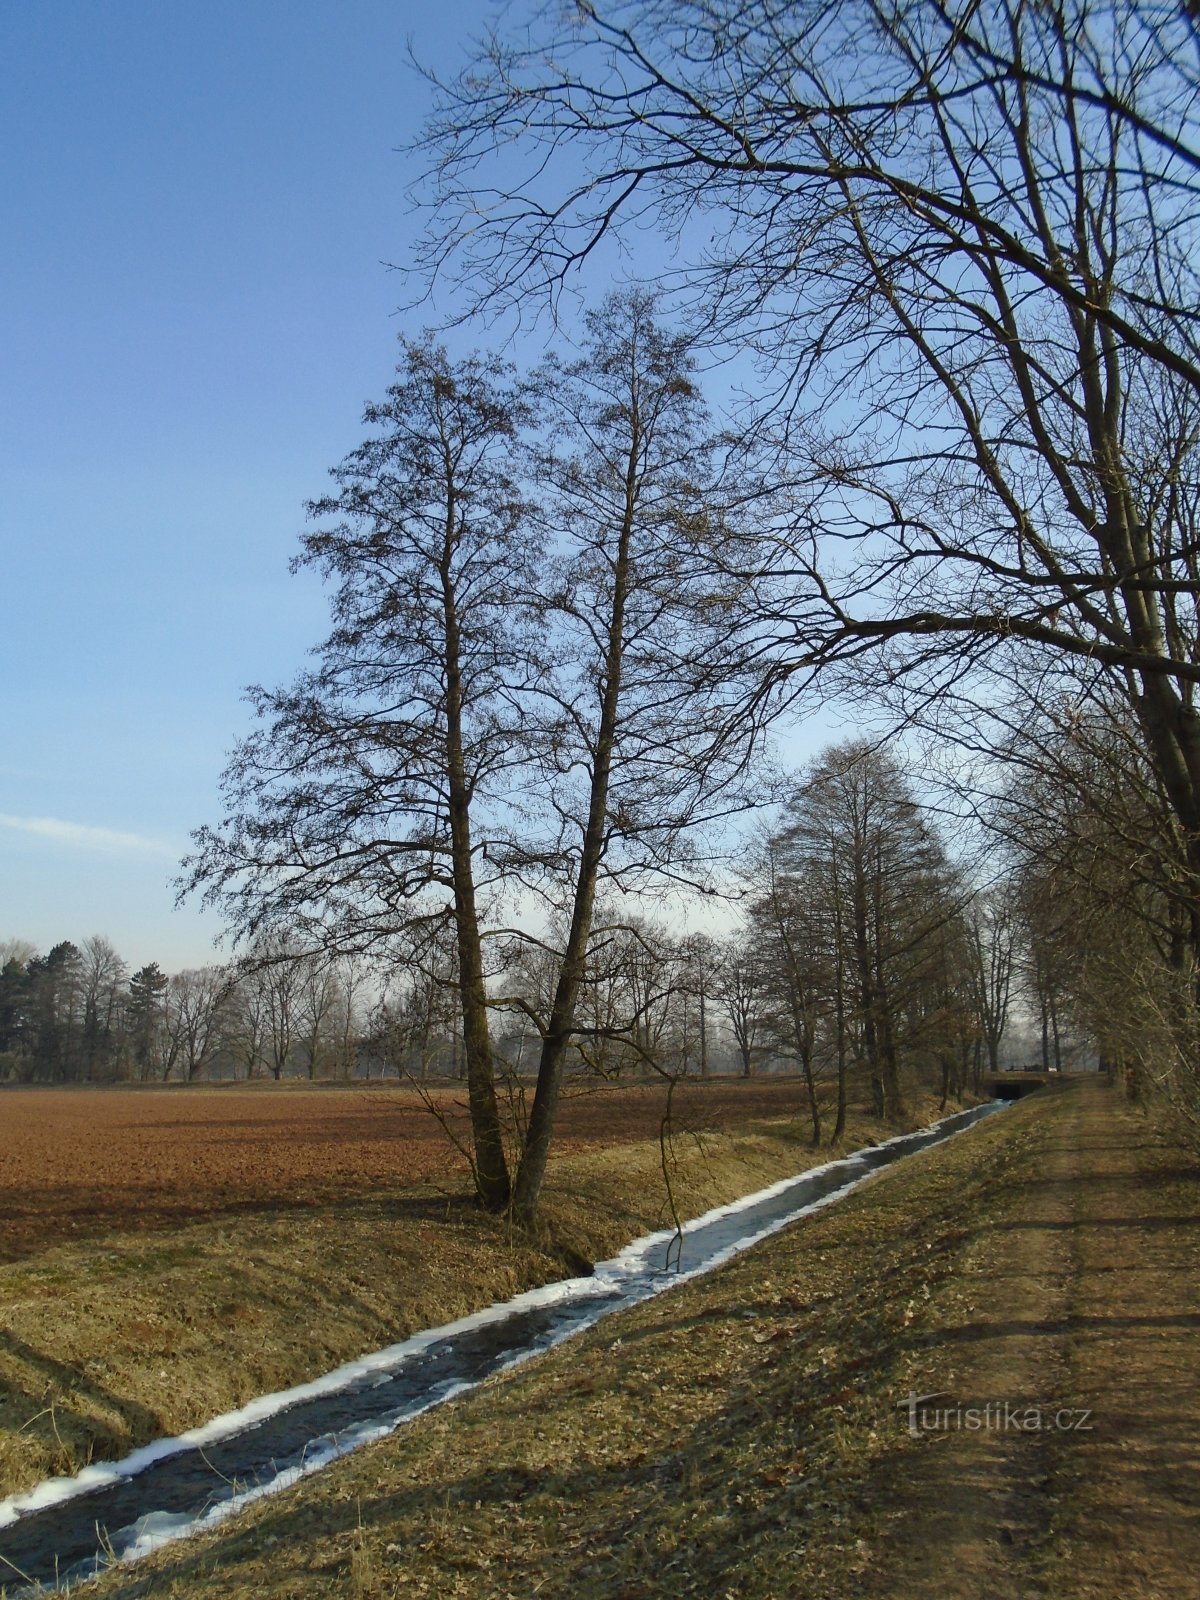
{"x":80,"y":1163}
{"x":707,"y":1443}
{"x":740,"y":1436}
{"x":108,"y":1342}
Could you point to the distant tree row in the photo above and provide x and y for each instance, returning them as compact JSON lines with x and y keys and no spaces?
{"x":859,"y":946}
{"x":863,"y":952}
{"x":78,"y":1015}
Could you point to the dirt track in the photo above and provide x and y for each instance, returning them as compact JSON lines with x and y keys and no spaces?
{"x":1078,"y":1297}
{"x":79,"y":1163}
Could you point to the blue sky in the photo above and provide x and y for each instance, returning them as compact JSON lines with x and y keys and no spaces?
{"x":197,"y":202}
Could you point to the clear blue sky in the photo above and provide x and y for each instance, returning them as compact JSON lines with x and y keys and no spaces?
{"x":197,"y":201}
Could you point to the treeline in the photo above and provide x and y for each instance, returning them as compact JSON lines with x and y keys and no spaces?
{"x":960,"y":243}
{"x":78,"y":1014}
{"x":868,"y":948}
{"x":862,"y":952}
{"x":538,"y":709}
{"x":539,"y":706}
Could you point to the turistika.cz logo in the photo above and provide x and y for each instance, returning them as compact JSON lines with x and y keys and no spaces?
{"x":997,"y":1416}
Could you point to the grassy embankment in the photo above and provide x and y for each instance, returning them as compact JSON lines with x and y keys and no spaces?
{"x":110,"y":1341}
{"x":741,"y":1436}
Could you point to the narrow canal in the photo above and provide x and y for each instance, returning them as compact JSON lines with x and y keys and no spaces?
{"x":69,"y":1529}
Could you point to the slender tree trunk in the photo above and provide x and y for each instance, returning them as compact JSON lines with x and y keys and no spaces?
{"x":1045,"y":1009}
{"x":703,"y":1032}
{"x":866,"y":984}
{"x":1055,"y":1033}
{"x":889,"y":1076}
{"x":810,"y":1084}
{"x":532,"y":1169}
{"x":491,"y":1168}
{"x":839,"y":1126}
{"x":839,"y":992}
{"x":885,"y":1033}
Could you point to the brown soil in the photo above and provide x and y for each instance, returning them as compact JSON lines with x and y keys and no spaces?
{"x":745,"y":1436}
{"x":80,"y":1163}
{"x":112,"y":1335}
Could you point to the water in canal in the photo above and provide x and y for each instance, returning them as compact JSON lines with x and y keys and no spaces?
{"x":69,"y":1528}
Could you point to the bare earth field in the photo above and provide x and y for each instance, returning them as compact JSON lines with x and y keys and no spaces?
{"x":168,"y":1254}
{"x":83,"y":1162}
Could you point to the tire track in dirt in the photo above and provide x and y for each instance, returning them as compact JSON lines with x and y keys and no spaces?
{"x":968,"y":1510}
{"x":1077,"y":1304}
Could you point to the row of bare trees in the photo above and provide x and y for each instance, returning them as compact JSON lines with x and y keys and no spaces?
{"x":78,"y":1014}
{"x":538,"y":701}
{"x":963,"y":241}
{"x":530,"y":698}
{"x":868,"y":949}
{"x":1106,"y":885}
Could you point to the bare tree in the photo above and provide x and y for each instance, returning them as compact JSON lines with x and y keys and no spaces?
{"x":700,"y":958}
{"x":197,"y":1013}
{"x":992,"y":926}
{"x":739,"y":986}
{"x":515,"y":694}
{"x":103,"y":977}
{"x":317,"y":995}
{"x":353,"y":813}
{"x":22,"y":951}
{"x":247,"y":1021}
{"x":273,"y":967}
{"x":1102,"y":887}
{"x":785,"y":920}
{"x":857,"y":856}
{"x":642,"y":748}
{"x":962,"y":238}
{"x":347,"y":1013}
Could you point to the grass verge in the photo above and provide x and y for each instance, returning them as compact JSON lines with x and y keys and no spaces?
{"x":744,"y":1436}
{"x":108,"y":1343}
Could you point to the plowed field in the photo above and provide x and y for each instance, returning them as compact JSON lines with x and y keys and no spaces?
{"x":83,"y":1162}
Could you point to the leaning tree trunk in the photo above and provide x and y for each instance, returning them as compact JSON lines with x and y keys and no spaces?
{"x":532,"y":1169}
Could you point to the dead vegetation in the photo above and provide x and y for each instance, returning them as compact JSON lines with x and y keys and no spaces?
{"x":86,"y":1162}
{"x":109,"y":1341}
{"x":742,"y":1436}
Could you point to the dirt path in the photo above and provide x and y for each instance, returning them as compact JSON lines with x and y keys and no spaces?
{"x":1075,"y":1317}
{"x":1128,"y":1516}
{"x":971,"y":1509}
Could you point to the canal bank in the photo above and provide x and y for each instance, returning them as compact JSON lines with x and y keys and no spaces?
{"x":751,"y":1433}
{"x":69,"y":1528}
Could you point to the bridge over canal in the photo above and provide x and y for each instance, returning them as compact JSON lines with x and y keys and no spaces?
{"x":1015,"y":1082}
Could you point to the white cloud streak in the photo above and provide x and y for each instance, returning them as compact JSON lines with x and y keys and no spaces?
{"x":79,"y":836}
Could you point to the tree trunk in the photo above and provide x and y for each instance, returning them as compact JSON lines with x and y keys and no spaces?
{"x":532,"y":1169}
{"x":491,"y":1167}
